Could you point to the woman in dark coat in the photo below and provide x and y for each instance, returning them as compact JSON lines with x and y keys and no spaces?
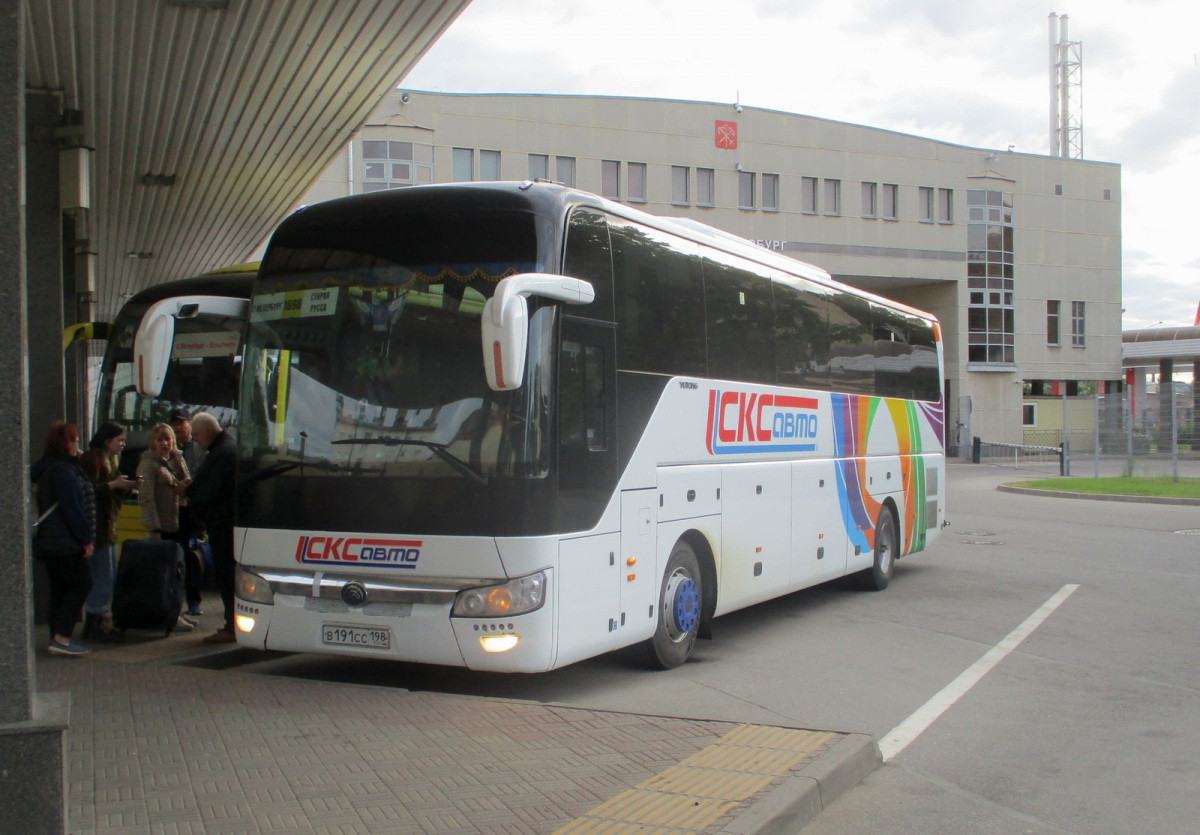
{"x":66,"y":536}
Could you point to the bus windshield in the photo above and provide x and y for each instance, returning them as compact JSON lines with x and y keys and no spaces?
{"x":202,"y":375}
{"x":366,"y":365}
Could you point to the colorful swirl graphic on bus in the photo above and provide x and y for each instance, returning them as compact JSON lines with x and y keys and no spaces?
{"x":381,"y":553}
{"x":853,"y":417}
{"x":740,"y":422}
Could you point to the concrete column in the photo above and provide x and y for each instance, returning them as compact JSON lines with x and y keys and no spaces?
{"x":32,"y":725}
{"x":1194,"y":438}
{"x":1112,"y":414}
{"x":1166,"y":402}
{"x":47,"y":302}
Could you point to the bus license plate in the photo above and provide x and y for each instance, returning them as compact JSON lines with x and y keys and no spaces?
{"x":355,"y":636}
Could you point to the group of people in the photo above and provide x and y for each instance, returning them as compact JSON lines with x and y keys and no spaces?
{"x":185,"y":484}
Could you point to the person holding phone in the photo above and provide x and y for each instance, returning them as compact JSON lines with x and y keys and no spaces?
{"x":100,"y":463}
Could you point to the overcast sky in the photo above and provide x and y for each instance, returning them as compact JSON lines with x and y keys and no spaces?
{"x":973,"y":72}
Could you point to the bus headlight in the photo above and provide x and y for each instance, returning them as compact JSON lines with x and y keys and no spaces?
{"x":516,"y":597}
{"x":252,"y":588}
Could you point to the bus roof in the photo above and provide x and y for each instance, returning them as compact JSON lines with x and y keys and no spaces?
{"x":555,"y":200}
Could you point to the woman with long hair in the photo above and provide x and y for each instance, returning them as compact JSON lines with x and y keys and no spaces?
{"x":100,"y":463}
{"x":163,"y":477}
{"x":66,"y":532}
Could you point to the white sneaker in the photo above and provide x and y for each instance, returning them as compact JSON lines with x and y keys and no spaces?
{"x":183,"y":625}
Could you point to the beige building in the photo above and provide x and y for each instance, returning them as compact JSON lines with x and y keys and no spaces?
{"x":1019,"y":255}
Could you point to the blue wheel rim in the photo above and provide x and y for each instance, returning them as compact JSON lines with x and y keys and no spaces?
{"x":685,"y":606}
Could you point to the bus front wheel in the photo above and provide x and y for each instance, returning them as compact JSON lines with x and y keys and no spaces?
{"x":678,"y":610}
{"x":887,"y":548}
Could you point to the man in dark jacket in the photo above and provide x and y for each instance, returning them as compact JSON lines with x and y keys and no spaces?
{"x":211,"y":498}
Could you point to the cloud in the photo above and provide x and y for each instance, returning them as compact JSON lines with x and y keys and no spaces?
{"x":1150,"y":142}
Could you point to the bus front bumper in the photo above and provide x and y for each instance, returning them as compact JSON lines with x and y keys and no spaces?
{"x":416,"y":626}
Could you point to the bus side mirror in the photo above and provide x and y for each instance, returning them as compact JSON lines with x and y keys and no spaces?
{"x":156,"y":334}
{"x":505,"y":322}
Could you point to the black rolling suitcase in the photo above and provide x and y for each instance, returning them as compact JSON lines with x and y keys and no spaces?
{"x":148,"y":590}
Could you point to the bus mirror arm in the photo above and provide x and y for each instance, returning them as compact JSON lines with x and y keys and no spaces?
{"x":505,"y":322}
{"x":156,"y":334}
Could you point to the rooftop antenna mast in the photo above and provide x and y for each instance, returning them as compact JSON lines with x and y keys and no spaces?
{"x":1066,"y":91}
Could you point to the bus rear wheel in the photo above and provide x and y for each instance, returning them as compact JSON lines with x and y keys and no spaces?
{"x":887,"y":548}
{"x":678,"y":610}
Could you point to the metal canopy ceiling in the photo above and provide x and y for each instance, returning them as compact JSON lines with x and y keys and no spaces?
{"x":238,"y":104}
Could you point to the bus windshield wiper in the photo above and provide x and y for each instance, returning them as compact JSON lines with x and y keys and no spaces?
{"x":460,"y":466}
{"x":281,"y":467}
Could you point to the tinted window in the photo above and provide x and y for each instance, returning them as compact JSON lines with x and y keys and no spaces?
{"x":924,"y":376}
{"x":852,"y":364}
{"x":893,"y":354}
{"x":659,"y":301}
{"x":738,"y":307}
{"x":587,"y":256}
{"x":801,"y":333}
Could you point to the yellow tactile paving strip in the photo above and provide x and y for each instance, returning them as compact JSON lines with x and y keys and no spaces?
{"x":692,"y":795}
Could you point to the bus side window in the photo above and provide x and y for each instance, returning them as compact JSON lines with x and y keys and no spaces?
{"x":587,"y":255}
{"x":582,"y":397}
{"x":740,"y":321}
{"x":925,"y":382}
{"x":852,"y":366}
{"x":801,"y":334}
{"x":893,"y":354}
{"x":660,"y":301}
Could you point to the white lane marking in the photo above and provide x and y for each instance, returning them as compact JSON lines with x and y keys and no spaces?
{"x":903,"y":734}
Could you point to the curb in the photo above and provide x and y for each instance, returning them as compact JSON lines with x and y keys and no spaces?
{"x":1099,"y":497}
{"x":798,"y":800}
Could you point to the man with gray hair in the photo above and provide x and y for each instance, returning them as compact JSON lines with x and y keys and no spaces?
{"x":211,"y":497}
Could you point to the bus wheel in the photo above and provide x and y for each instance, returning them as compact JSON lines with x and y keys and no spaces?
{"x":678,"y":610}
{"x":887,"y":546}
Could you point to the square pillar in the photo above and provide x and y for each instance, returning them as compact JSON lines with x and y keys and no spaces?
{"x":32,"y":725}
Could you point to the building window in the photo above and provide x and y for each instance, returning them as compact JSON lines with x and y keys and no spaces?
{"x":1052,"y":329}
{"x":706,"y":193}
{"x":808,"y":195}
{"x":610,"y":179}
{"x":564,"y":170}
{"x":925,"y":204}
{"x":945,"y":205}
{"x":890,"y":209}
{"x":833,"y":197}
{"x":770,"y":192}
{"x":1058,"y":189}
{"x":463,"y":164}
{"x":391,"y":164}
{"x":870,"y":200}
{"x":679,"y":184}
{"x":539,"y":167}
{"x":637,"y":182}
{"x":1077,"y":324}
{"x":1029,"y":414}
{"x":991,"y":325}
{"x":745,"y":189}
{"x":1108,"y":194}
{"x":489,"y":165}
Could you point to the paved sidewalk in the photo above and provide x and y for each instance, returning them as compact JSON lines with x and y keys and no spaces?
{"x":160,"y":747}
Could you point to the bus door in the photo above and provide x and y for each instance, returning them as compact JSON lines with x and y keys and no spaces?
{"x":587,"y":448}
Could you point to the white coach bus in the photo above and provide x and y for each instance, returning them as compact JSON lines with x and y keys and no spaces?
{"x":510,"y":426}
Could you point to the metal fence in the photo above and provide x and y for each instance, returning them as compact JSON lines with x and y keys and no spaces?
{"x":1098,"y":435}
